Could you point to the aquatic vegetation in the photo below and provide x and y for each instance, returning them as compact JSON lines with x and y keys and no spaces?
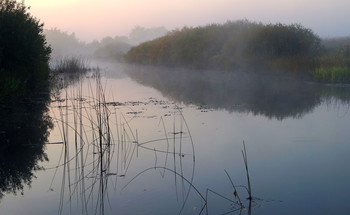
{"x":100,"y":146}
{"x":332,"y":74}
{"x":334,"y":65}
{"x":70,"y":65}
{"x":237,"y":203}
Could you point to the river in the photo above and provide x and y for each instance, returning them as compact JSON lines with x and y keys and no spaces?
{"x":128,"y":142}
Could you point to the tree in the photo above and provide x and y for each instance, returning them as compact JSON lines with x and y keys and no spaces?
{"x":24,"y":53}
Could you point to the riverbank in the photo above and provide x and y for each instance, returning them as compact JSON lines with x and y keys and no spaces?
{"x":249,"y":47}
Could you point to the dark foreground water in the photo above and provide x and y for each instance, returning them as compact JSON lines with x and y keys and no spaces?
{"x":170,"y":144}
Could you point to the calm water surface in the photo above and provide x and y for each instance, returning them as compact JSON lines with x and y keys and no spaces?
{"x":162,"y":147}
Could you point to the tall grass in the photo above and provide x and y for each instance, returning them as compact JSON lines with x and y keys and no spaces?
{"x":334,"y":65}
{"x":99,"y":147}
{"x":334,"y":74}
{"x":237,"y":202}
{"x":70,"y":65}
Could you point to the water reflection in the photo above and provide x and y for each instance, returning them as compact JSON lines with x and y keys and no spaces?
{"x":25,"y":126}
{"x":108,"y":165}
{"x":100,"y":145}
{"x":273,"y":97}
{"x":24,"y":129}
{"x":102,"y":152}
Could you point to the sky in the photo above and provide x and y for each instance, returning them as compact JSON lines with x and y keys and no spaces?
{"x":95,"y":19}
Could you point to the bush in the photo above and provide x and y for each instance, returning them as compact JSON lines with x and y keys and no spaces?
{"x":241,"y":45}
{"x":24,"y":54}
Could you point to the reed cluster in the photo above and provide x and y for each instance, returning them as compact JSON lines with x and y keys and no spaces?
{"x":335,"y":74}
{"x":70,"y":65}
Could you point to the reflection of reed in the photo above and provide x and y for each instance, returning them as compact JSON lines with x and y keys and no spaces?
{"x":91,"y":131}
{"x":177,"y":139}
{"x":100,"y":145}
{"x":237,"y":203}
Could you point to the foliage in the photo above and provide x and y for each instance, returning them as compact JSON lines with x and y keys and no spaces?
{"x":335,"y":44}
{"x":63,"y":44}
{"x":24,"y":53}
{"x":236,"y":45}
{"x":334,"y":64}
{"x":113,"y":48}
{"x":140,"y":34}
{"x":67,"y":44}
{"x":25,"y":127}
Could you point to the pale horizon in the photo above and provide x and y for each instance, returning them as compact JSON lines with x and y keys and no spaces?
{"x":91,"y":20}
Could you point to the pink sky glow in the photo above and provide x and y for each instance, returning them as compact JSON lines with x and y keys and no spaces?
{"x":92,"y":19}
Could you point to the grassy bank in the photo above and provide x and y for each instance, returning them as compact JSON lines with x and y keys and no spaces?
{"x":334,"y":65}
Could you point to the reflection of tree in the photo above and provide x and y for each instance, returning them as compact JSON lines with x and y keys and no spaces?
{"x":274,"y":97}
{"x":24,"y":129}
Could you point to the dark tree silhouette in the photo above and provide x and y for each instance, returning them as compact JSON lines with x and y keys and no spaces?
{"x":24,"y":54}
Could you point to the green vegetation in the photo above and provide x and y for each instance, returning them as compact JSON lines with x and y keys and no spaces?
{"x":332,"y":74}
{"x":24,"y":53}
{"x":245,"y":46}
{"x":334,"y":65}
{"x":239,"y":45}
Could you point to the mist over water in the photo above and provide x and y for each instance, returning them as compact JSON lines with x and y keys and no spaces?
{"x":245,"y":117}
{"x":267,"y":95}
{"x":164,"y":129}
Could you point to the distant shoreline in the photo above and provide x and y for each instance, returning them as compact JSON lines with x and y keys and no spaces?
{"x":244,"y":46}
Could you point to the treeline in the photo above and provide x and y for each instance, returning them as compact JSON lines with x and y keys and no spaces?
{"x":63,"y":43}
{"x":118,"y":46}
{"x":233,"y":45}
{"x":66,"y":44}
{"x":240,"y":45}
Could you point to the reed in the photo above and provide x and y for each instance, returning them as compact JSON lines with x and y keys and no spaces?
{"x":245,"y":159}
{"x":97,"y":148}
{"x":237,"y":205}
{"x":70,"y":65}
{"x":333,"y":74}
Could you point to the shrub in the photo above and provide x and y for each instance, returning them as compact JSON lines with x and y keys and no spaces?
{"x":236,"y":45}
{"x":24,"y":54}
